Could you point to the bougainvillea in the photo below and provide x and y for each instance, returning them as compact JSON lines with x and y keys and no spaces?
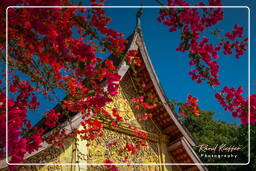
{"x":51,"y":118}
{"x":110,"y":166}
{"x":91,"y":129}
{"x":134,"y":58}
{"x":190,"y":107}
{"x":42,"y":45}
{"x":231,"y":99}
{"x":192,"y":23}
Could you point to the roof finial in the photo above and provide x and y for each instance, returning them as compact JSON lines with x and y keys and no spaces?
{"x":139,"y":13}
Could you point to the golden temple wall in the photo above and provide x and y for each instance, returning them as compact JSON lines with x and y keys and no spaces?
{"x":155,"y":152}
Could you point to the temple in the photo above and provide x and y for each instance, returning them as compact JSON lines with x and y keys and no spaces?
{"x":169,"y":142}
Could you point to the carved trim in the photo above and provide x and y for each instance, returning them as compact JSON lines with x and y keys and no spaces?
{"x":123,"y":128}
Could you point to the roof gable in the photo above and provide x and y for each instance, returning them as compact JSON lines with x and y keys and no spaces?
{"x":163,"y":116}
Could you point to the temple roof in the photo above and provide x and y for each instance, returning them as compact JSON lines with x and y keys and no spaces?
{"x":163,"y":115}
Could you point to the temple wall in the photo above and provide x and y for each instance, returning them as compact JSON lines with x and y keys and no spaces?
{"x":99,"y":149}
{"x":52,"y":155}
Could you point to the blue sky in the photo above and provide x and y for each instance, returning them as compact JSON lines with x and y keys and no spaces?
{"x":172,"y":66}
